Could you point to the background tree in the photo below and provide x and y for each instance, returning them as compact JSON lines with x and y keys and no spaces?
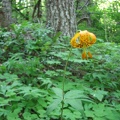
{"x":61,"y":16}
{"x":7,"y":11}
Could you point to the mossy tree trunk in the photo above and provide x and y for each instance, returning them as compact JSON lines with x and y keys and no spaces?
{"x":61,"y":16}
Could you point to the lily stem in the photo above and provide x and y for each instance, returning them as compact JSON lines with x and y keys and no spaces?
{"x":63,"y":84}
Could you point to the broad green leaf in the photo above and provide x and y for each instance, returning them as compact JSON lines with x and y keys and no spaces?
{"x":74,"y":94}
{"x":3,"y":112}
{"x":100,"y":118}
{"x":78,"y":60}
{"x":15,"y":84}
{"x":17,"y":110}
{"x":9,"y":77}
{"x":99,"y":94}
{"x":77,"y":114}
{"x":14,"y":98}
{"x":118,"y":107}
{"x":53,"y":62}
{"x":42,"y":102}
{"x":75,"y":103}
{"x":10,"y":93}
{"x":111,"y":113}
{"x":99,"y":112}
{"x":42,"y":113}
{"x":58,"y":92}
{"x":89,"y":113}
{"x":3,"y":89}
{"x":4,"y":102}
{"x":12,"y":116}
{"x":27,"y":115}
{"x":68,"y":115}
{"x":34,"y":116}
{"x":51,"y":73}
{"x":54,"y":105}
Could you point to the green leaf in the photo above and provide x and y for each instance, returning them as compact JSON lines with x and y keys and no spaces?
{"x":53,"y":62}
{"x":75,"y":103}
{"x":68,"y":114}
{"x":54,"y":105}
{"x":99,"y":118}
{"x":9,"y":77}
{"x":3,"y":89}
{"x":118,"y":107}
{"x":58,"y":92}
{"x":89,"y":113}
{"x":111,"y":113}
{"x":74,"y":94}
{"x":3,"y":112}
{"x":42,"y":102}
{"x":12,"y":116}
{"x":4,"y":102}
{"x":10,"y":93}
{"x":51,"y":73}
{"x":99,"y":94}
{"x":56,"y":36}
{"x":78,"y":60}
{"x":17,"y":110}
{"x":99,"y":110}
{"x":27,"y":115}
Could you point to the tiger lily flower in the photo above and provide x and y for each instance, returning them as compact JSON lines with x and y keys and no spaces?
{"x":83,"y":39}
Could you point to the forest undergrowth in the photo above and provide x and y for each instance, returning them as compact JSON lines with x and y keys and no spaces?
{"x":32,"y":70}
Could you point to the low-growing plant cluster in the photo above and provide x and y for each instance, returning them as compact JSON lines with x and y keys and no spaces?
{"x":35,"y":67}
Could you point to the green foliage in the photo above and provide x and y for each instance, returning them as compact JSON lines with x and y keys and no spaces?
{"x":25,"y":38}
{"x":101,"y":17}
{"x":32,"y":70}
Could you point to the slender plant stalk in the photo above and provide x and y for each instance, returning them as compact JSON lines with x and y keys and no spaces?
{"x":63,"y":84}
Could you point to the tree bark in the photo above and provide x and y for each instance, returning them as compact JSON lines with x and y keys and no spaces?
{"x":61,"y":16}
{"x":7,"y":10}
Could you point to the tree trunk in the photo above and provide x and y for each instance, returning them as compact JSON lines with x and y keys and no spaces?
{"x":7,"y":10}
{"x":61,"y":16}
